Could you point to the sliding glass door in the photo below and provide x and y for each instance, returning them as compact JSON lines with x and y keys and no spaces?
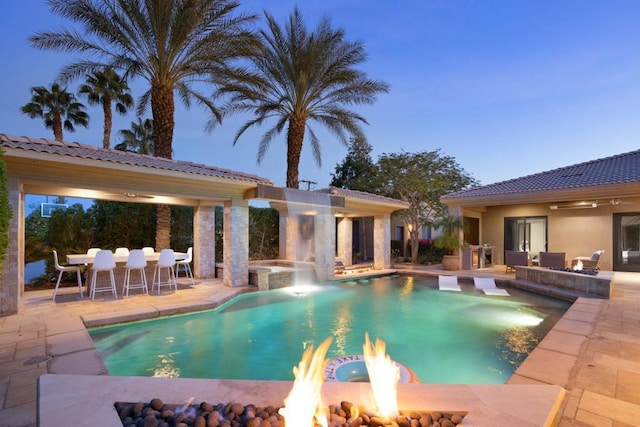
{"x":527,"y":233}
{"x":626,"y":242}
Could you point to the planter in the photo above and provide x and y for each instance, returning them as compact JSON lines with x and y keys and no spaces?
{"x":450,"y":262}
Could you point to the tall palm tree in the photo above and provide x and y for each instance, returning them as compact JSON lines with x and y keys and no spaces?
{"x":104,"y":88}
{"x":138,"y":139}
{"x":302,"y":76}
{"x":58,"y":108}
{"x":172,"y":44}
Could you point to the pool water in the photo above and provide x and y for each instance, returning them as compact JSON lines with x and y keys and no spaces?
{"x":444,"y":337}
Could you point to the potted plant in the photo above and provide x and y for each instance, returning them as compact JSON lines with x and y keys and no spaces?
{"x":449,"y":240}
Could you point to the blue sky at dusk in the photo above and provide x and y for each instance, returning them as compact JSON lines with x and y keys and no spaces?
{"x":507,"y":87}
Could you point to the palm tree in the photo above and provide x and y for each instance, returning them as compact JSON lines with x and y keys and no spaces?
{"x":302,"y":76}
{"x":58,"y":108}
{"x":138,"y":139}
{"x":172,"y":44}
{"x":104,"y":88}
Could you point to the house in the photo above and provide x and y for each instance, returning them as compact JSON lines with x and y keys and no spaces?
{"x":576,"y":209}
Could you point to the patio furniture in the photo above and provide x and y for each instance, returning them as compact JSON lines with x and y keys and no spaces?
{"x":514,"y":258}
{"x":148,"y":250}
{"x":65,"y":269}
{"x":588,"y":261}
{"x":186,"y":265}
{"x":103,"y":261}
{"x":166,"y":261}
{"x":488,"y":286}
{"x":121,"y":251}
{"x":93,"y":251}
{"x":448,"y":283}
{"x":136,"y":261}
{"x":552,"y":259}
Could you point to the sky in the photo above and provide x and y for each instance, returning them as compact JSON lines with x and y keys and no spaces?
{"x":506,"y":87}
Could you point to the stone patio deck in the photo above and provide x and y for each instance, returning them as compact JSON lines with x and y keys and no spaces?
{"x":593,"y":352}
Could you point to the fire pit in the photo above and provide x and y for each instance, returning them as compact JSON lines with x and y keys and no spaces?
{"x":345,"y":414}
{"x":79,"y":399}
{"x":587,"y":271}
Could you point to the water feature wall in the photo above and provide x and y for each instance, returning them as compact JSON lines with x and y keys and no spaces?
{"x":310,"y":230}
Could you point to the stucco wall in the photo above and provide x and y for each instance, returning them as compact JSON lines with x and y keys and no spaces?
{"x":577,"y":232}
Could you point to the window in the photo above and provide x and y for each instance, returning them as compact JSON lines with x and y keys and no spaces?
{"x":526,"y":234}
{"x":626,"y":242}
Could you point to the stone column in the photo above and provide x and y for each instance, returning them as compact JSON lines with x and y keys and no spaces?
{"x":382,"y":241}
{"x":236,"y":243}
{"x":12,"y":285}
{"x":287,"y":236}
{"x":345,"y":240}
{"x":325,"y":245}
{"x":204,"y":242}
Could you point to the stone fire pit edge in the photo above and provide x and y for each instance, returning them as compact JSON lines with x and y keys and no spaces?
{"x":90,"y":398}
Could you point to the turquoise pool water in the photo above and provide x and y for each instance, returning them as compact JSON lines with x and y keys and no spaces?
{"x":444,"y":337}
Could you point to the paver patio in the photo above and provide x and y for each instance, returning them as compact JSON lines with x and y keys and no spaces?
{"x":594,"y":352}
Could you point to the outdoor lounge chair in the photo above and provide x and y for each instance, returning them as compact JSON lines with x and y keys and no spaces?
{"x":488,"y":286}
{"x":448,"y":283}
{"x":552,"y":259}
{"x":588,"y":261}
{"x":513,"y":258}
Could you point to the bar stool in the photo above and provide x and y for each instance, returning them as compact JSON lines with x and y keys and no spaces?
{"x":136,"y":261}
{"x":103,"y":261}
{"x":186,"y":265}
{"x":68,"y":269}
{"x":121,"y":251}
{"x":166,"y":261}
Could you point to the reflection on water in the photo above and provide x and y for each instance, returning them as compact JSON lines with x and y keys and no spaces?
{"x":444,"y":337}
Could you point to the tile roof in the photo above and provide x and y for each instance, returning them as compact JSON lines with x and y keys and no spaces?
{"x":618,"y":169}
{"x":92,"y":152}
{"x":361,"y":195}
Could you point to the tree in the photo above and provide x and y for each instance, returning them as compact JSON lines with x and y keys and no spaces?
{"x":138,"y":139}
{"x":172,"y":44}
{"x":58,"y":108}
{"x":303,"y":76}
{"x":263,"y":233}
{"x":104,"y":88}
{"x":5,"y":211}
{"x":421,"y":179}
{"x":357,"y":171}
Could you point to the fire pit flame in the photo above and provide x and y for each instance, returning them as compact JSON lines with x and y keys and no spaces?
{"x":578,"y":265}
{"x":384,"y":376}
{"x":304,"y":402}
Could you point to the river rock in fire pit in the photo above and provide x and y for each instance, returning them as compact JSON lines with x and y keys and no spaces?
{"x":157,"y":413}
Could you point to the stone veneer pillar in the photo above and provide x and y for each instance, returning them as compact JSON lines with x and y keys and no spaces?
{"x":12,"y":284}
{"x":236,"y":243}
{"x":345,"y":240}
{"x":325,"y":245}
{"x":382,"y":241}
{"x":204,"y":242}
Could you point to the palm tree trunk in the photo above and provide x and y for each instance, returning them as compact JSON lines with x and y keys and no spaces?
{"x":163,"y":109}
{"x":106,"y":137}
{"x":162,"y":106}
{"x":163,"y":227}
{"x":57,"y":127}
{"x":295,"y":137}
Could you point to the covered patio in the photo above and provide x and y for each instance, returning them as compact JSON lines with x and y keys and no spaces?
{"x":42,"y":166}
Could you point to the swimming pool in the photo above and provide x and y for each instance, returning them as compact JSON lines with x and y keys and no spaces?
{"x":444,"y":337}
